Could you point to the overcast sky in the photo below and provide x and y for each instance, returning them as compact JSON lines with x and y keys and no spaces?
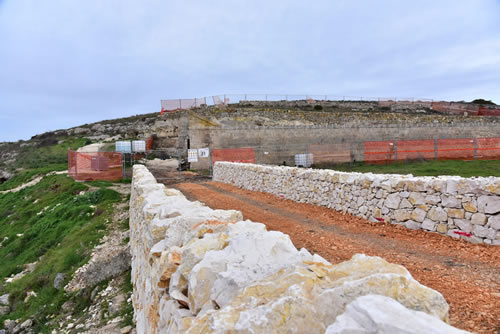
{"x":66,"y":63}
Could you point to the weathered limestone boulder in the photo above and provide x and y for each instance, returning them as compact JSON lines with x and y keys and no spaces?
{"x":379,"y":314}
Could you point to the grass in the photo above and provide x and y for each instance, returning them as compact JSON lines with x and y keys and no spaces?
{"x":53,"y":224}
{"x":26,"y":175}
{"x":425,"y":168}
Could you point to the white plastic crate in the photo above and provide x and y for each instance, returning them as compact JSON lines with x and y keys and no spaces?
{"x":123,"y":147}
{"x":303,"y":160}
{"x":138,"y":146}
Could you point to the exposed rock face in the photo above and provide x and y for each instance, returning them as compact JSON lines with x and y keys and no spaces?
{"x":449,"y":205}
{"x":198,"y":270}
{"x":379,"y":314}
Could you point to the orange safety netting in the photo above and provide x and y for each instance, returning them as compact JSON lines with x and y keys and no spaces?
{"x":460,"y":149}
{"x":415,"y":149}
{"x":84,"y":166}
{"x":335,"y":153}
{"x":488,"y":148}
{"x":234,"y":155}
{"x":379,"y":151}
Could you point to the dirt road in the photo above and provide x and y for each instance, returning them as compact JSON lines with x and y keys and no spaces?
{"x":467,"y":275}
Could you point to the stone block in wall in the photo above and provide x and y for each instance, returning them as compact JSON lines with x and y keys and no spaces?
{"x":480,"y":231}
{"x":489,"y":204}
{"x":455,"y":213}
{"x":413,"y":225}
{"x":429,"y":225}
{"x":494,"y":222}
{"x":463,"y":224}
{"x":401,"y":215}
{"x":470,"y":206}
{"x":437,"y":214}
{"x":478,"y":219}
{"x":442,"y":228}
{"x":417,"y":198}
{"x":392,"y":201}
{"x":450,"y":201}
{"x":418,"y":215}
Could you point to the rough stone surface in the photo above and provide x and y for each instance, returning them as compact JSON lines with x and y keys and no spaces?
{"x":59,"y":281}
{"x":380,"y":314}
{"x":401,"y":199}
{"x":207,"y":271}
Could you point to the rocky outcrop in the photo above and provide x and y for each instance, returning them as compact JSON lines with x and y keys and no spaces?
{"x":198,"y":270}
{"x":467,"y":208}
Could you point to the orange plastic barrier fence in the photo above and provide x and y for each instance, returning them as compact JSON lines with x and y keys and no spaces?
{"x":460,"y":149}
{"x":95,"y":166}
{"x":234,"y":155}
{"x":415,"y":149}
{"x":335,"y":153}
{"x":149,"y":143}
{"x":488,"y":148}
{"x":379,"y":151}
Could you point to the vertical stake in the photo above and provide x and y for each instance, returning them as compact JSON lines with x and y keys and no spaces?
{"x":435,"y":149}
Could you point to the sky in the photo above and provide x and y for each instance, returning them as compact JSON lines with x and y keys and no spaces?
{"x":65,"y":63}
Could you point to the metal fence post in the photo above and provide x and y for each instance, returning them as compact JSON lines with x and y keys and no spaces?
{"x":210,"y":169}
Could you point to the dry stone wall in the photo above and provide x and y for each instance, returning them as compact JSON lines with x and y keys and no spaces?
{"x":198,"y":270}
{"x":459,"y":207}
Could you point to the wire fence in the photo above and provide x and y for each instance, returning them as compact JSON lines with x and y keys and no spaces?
{"x":459,"y":108}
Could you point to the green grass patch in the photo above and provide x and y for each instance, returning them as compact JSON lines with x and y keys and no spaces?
{"x":424,"y":168}
{"x":27,"y":175}
{"x":53,"y":224}
{"x":36,"y":156}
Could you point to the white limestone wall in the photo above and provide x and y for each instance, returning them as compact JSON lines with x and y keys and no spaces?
{"x":198,"y":270}
{"x":467,"y":208}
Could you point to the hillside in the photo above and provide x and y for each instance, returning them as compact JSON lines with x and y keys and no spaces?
{"x":63,"y":244}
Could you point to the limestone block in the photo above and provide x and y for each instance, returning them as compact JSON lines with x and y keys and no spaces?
{"x":494,"y":222}
{"x":248,"y":257}
{"x":392,"y":201}
{"x":469,"y":206}
{"x":492,"y":234}
{"x":437,"y":214}
{"x":442,"y":228}
{"x":432,"y":199}
{"x":450,"y":201}
{"x":418,"y":215}
{"x":413,"y":225}
{"x":480,"y":231}
{"x":380,"y":314}
{"x":401,"y":215}
{"x":416,"y":198}
{"x":478,"y":219}
{"x":455,"y":213}
{"x":464,"y":225}
{"x":489,"y":204}
{"x":405,"y":204}
{"x":429,"y":225}
{"x":305,"y":299}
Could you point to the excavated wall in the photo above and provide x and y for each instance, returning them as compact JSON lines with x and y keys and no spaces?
{"x":459,"y":207}
{"x":198,"y":270}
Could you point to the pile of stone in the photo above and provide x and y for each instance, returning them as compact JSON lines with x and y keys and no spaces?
{"x":198,"y":270}
{"x":467,"y":208}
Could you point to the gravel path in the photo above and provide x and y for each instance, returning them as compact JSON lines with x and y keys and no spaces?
{"x":467,"y":275}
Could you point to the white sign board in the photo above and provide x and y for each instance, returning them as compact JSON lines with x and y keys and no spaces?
{"x":123,"y":147}
{"x":204,"y":152}
{"x":193,"y":155}
{"x":138,"y":146}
